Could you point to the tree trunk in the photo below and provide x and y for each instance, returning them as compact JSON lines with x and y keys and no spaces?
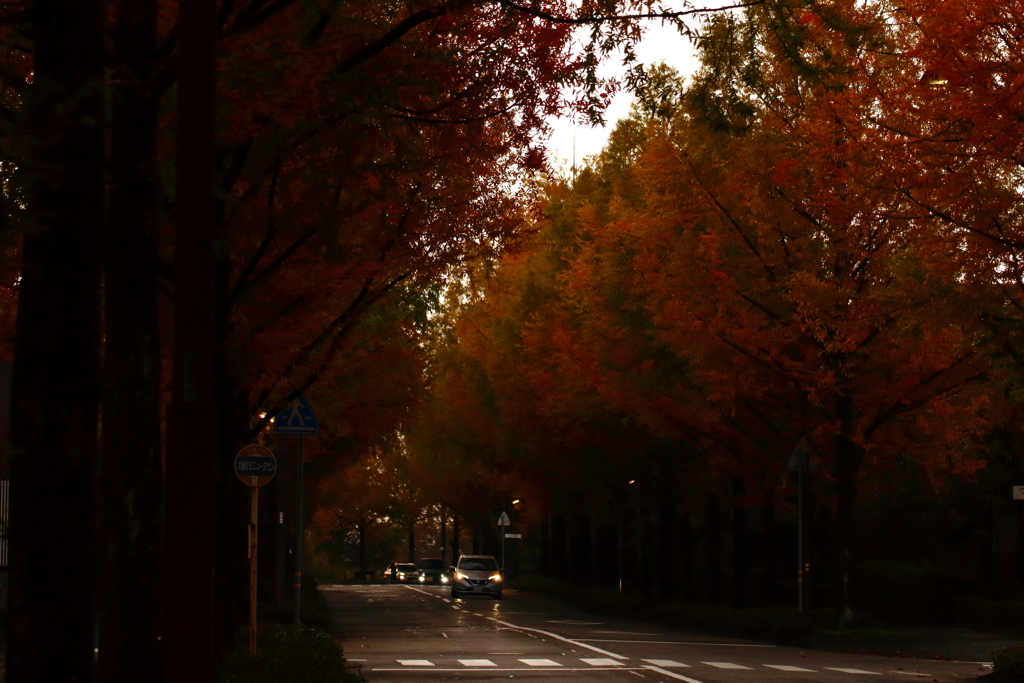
{"x":131,"y":462}
{"x":768,"y":553}
{"x":848,"y":459}
{"x":56,"y":376}
{"x":666,"y":569}
{"x":362,"y":548}
{"x":456,"y":536}
{"x":686,"y":546}
{"x":411,"y":531}
{"x":713,"y":563}
{"x":739,"y":545}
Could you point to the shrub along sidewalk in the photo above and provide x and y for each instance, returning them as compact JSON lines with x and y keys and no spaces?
{"x":288,"y":652}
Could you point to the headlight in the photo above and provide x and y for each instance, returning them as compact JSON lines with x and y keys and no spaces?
{"x":422,"y":578}
{"x":496,"y":578}
{"x":460,"y":575}
{"x":444,"y":579}
{"x":401,"y":575}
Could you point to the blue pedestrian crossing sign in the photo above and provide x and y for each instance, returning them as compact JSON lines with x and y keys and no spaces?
{"x":298,"y":418}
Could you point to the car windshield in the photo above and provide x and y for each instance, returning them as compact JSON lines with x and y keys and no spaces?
{"x":405,"y":567}
{"x":431,"y":564}
{"x":478,"y":564}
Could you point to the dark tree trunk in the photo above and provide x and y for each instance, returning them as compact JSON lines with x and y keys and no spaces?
{"x":362,"y":548}
{"x":768,"y":554}
{"x":131,"y":481}
{"x":740,"y":557}
{"x":848,"y":459}
{"x":456,"y":536}
{"x":647,"y":552}
{"x":559,"y":561}
{"x":192,"y":634}
{"x":545,"y":546}
{"x":666,"y":570}
{"x":56,"y":376}
{"x":713,"y":562}
{"x":686,"y":548}
{"x":444,"y":532}
{"x":411,"y":531}
{"x":629,"y":570}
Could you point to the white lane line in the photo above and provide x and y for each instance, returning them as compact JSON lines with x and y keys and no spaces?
{"x":445,"y":600}
{"x":629,"y":633}
{"x":476,"y":662}
{"x":349,"y":659}
{"x":786,"y":667}
{"x":590,"y":669}
{"x":415,"y":662}
{"x":539,"y":662}
{"x":911,"y":673}
{"x":558,"y":637}
{"x":674,"y":642}
{"x":671,"y":674}
{"x":726,"y":665}
{"x":665,"y":663}
{"x":603,"y":661}
{"x":853,"y":671}
{"x":420,"y":590}
{"x":574,"y":622}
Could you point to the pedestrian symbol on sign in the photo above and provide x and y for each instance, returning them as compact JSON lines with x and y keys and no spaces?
{"x":298,"y":418}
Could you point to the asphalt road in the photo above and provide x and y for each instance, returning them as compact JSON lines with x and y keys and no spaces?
{"x":418,"y":634}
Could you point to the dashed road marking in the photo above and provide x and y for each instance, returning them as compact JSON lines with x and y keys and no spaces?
{"x":601,"y":662}
{"x":911,"y":673}
{"x":725,"y":665}
{"x":415,"y":662}
{"x":666,"y":663}
{"x":853,"y":671}
{"x":786,"y":667}
{"x":476,"y":662}
{"x":539,"y":662}
{"x":674,"y":642}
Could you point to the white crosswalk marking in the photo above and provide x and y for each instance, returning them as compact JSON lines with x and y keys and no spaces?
{"x":853,"y":671}
{"x":539,"y":662}
{"x":415,"y":662}
{"x":786,"y":667}
{"x":665,"y":663}
{"x":601,"y":662}
{"x":476,"y":662}
{"x":726,"y":665}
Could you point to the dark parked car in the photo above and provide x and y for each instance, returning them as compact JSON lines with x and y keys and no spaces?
{"x":433,"y":571}
{"x":477,"y":575}
{"x":401,"y":572}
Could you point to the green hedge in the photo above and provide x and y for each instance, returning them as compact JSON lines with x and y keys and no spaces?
{"x":1009,"y":661}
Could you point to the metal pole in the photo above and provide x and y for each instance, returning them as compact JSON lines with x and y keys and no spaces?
{"x":252,"y":566}
{"x":298,"y":530}
{"x":800,"y":531}
{"x":281,"y":532}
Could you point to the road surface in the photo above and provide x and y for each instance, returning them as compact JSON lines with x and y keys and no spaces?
{"x":419,"y":634}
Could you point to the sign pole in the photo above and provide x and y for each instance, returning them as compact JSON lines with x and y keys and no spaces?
{"x":252,"y":565}
{"x":298,"y":529}
{"x":255,"y":465}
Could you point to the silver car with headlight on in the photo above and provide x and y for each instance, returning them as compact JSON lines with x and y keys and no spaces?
{"x":477,"y":575}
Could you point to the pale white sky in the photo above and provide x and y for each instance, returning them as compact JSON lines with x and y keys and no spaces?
{"x":660,"y":44}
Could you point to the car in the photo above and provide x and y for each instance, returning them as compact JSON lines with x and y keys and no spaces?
{"x":477,"y":575}
{"x":401,"y":572}
{"x":432,"y":571}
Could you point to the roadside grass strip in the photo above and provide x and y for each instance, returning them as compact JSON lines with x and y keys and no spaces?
{"x":539,"y":662}
{"x":601,"y":662}
{"x":670,"y":674}
{"x":665,"y":663}
{"x":853,"y":671}
{"x":726,"y":665}
{"x":476,"y":662}
{"x":787,"y":667}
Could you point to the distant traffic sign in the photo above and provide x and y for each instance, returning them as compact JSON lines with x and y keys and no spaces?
{"x":504,"y":520}
{"x":255,"y":465}
{"x":298,"y":418}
